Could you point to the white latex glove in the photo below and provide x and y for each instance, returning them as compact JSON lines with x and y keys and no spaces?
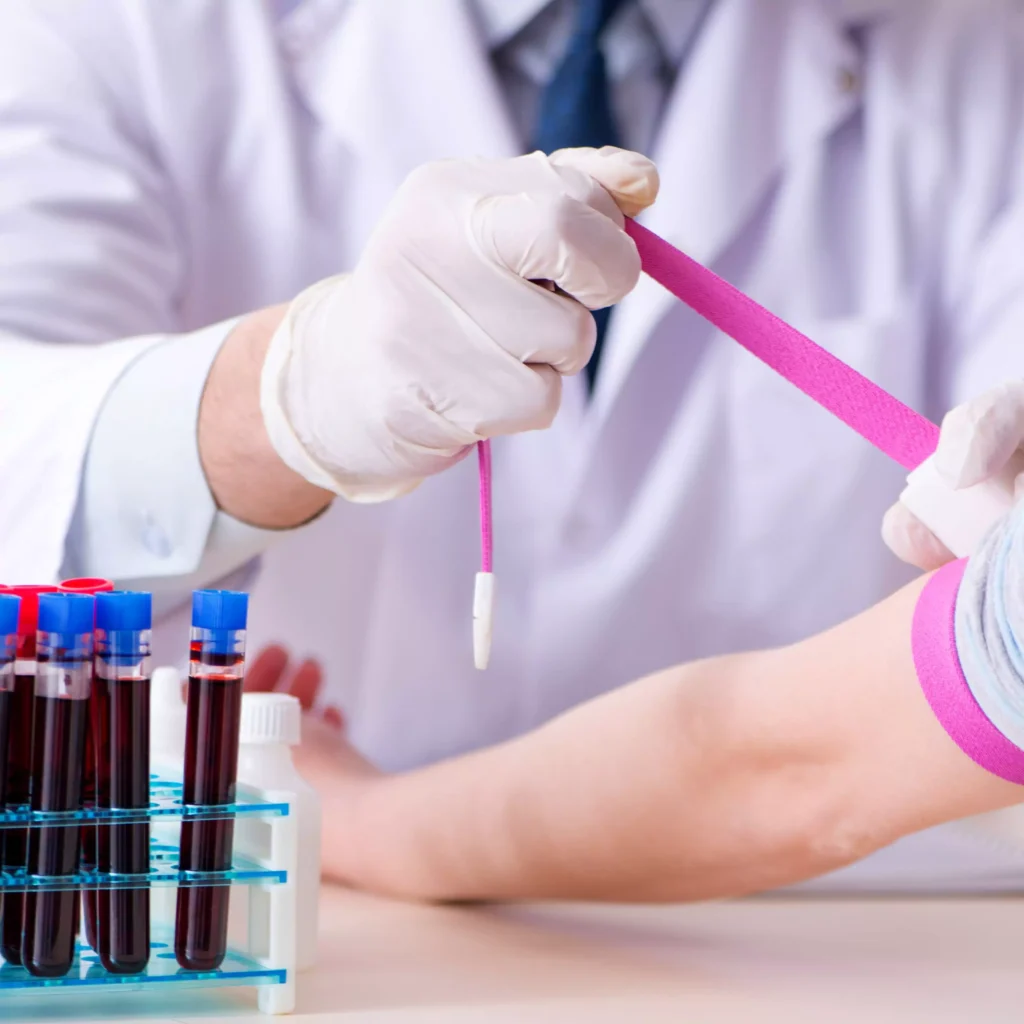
{"x":976,"y":441}
{"x":439,"y":339}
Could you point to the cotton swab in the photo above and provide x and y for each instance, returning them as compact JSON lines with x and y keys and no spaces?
{"x":483,"y":591}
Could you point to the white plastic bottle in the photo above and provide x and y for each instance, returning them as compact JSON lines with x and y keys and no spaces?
{"x":168,"y":716}
{"x":271,"y":726}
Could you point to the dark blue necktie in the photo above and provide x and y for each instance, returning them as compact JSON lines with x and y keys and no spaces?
{"x":575,"y":108}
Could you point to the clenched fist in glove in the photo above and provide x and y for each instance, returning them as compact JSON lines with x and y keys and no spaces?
{"x":441,"y":337}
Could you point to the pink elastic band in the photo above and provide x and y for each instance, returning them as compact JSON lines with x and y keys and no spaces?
{"x":890,"y":426}
{"x":483,"y":451}
{"x":884,"y":421}
{"x":894,"y":428}
{"x":933,"y":642}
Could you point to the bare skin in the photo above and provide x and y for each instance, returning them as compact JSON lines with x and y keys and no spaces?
{"x":712,"y":779}
{"x":247,"y":477}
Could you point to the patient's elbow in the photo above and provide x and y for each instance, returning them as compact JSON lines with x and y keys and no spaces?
{"x":817,"y":825}
{"x":841,"y":838}
{"x":797,"y":810}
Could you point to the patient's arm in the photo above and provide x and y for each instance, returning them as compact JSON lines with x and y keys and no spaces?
{"x":710,"y":779}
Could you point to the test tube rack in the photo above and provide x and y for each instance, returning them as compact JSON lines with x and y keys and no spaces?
{"x":262,"y":927}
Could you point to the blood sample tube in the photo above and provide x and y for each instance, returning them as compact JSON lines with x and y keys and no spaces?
{"x":120,"y":710}
{"x":9,"y":605}
{"x":88,"y":585}
{"x":216,"y":666}
{"x":59,"y":718}
{"x":19,"y":763}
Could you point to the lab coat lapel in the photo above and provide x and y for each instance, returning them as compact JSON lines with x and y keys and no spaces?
{"x":402,"y":82}
{"x":765,"y":81}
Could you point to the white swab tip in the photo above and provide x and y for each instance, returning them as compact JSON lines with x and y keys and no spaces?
{"x":483,"y":618}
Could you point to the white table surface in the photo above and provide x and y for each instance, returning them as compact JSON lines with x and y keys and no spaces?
{"x":766,"y":960}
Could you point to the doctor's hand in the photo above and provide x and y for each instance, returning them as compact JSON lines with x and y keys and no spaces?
{"x":977,"y":440}
{"x":441,"y":336}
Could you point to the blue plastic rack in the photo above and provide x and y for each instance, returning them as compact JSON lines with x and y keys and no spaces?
{"x":269,"y":869}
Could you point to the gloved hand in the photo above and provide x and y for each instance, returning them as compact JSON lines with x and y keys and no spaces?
{"x":977,"y":439}
{"x":439,"y":338}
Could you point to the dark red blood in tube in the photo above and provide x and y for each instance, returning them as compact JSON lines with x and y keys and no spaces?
{"x":121,"y":710}
{"x":216,"y":665}
{"x":58,"y":749}
{"x":211,"y":761}
{"x":14,"y":841}
{"x":90,"y":907}
{"x":60,"y":715}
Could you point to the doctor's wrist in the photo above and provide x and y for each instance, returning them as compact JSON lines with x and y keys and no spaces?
{"x":246,"y":476}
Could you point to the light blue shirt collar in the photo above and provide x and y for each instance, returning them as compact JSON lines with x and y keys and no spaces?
{"x":673,"y":20}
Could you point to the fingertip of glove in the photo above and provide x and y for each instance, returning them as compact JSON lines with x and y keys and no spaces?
{"x":911,"y":541}
{"x":958,"y":463}
{"x":892,"y":534}
{"x":630,"y":178}
{"x":953,"y":454}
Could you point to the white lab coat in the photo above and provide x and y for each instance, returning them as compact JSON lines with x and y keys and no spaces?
{"x":183,"y":162}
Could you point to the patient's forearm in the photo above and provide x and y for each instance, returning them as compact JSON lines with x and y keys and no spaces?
{"x":711,"y":779}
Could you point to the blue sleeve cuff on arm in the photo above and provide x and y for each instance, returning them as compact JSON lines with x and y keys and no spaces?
{"x":989,"y":626}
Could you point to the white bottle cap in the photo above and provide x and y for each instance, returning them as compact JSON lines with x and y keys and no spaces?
{"x":271,"y":718}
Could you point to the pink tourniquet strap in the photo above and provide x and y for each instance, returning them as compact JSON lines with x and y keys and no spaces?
{"x":894,"y":428}
{"x":890,"y":426}
{"x":933,"y":641}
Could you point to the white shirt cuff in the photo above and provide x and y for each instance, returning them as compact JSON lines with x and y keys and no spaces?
{"x":145,"y":512}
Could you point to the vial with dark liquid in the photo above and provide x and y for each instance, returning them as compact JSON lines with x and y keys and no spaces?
{"x":120,"y":716}
{"x":19,"y":764}
{"x":88,"y":585}
{"x":9,"y":605}
{"x":216,"y":665}
{"x":60,"y":713}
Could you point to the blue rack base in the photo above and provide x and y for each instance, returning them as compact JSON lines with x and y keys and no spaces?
{"x":238,"y":969}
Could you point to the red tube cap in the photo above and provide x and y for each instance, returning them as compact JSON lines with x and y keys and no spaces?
{"x":85,"y":585}
{"x":28,"y":616}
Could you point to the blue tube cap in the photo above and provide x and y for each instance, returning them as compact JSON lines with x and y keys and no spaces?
{"x":10,"y":605}
{"x":219,"y":609}
{"x":66,"y":613}
{"x":124,"y":610}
